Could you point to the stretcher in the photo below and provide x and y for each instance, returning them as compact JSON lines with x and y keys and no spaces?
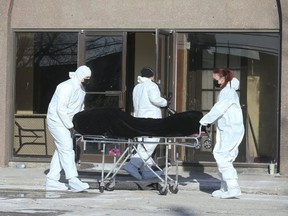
{"x":167,"y":183}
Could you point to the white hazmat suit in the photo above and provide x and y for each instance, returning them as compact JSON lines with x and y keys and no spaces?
{"x":147,"y":101}
{"x":227,"y":115}
{"x":67,"y":100}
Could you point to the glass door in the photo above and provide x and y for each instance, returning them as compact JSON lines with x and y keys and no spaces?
{"x":164,"y":43}
{"x":104,"y":53}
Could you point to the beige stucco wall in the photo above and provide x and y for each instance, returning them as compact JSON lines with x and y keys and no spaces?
{"x":210,"y":15}
{"x":5,"y":86}
{"x":284,"y":92}
{"x":207,"y":14}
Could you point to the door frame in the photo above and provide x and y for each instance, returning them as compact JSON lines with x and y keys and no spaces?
{"x":165,"y":43}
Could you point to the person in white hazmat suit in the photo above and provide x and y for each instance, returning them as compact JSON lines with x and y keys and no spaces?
{"x":67,"y":100}
{"x":227,"y":115}
{"x":147,"y":101}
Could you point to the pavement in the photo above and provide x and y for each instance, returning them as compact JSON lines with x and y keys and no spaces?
{"x":32,"y":176}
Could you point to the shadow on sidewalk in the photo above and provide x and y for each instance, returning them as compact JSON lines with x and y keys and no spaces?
{"x":124,"y":181}
{"x":207,"y":182}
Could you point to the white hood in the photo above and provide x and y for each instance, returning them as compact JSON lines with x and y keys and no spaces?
{"x":81,"y":72}
{"x":235,"y":83}
{"x":141,"y":79}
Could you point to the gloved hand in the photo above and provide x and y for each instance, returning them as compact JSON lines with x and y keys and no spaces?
{"x":205,"y":124}
{"x":168,"y":104}
{"x":168,"y":99}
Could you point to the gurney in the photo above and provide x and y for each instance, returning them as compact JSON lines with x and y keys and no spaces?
{"x":112,"y":126}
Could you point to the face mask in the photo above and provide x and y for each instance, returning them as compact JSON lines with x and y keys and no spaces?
{"x":216,"y":84}
{"x":85,"y":82}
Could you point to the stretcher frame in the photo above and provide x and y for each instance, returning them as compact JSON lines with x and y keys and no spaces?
{"x":166,"y":183}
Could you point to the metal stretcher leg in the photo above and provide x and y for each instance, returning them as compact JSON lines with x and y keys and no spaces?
{"x":164,"y":185}
{"x":102,"y":185}
{"x":108,"y":181}
{"x":173,"y":184}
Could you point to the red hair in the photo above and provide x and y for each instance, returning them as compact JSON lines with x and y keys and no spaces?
{"x":226,"y":73}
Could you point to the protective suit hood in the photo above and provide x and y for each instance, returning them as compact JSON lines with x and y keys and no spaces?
{"x":235,"y":83}
{"x":141,"y":79}
{"x":81,"y":72}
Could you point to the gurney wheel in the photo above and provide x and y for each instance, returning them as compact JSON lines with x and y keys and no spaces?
{"x":207,"y":144}
{"x":110,"y":187}
{"x":101,"y":189}
{"x":198,"y":146}
{"x":173,"y":189}
{"x":163,"y":191}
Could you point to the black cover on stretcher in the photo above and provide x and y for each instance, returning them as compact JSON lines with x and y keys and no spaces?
{"x":113,"y":122}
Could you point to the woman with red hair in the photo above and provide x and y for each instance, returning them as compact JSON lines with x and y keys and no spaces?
{"x":226,"y":114}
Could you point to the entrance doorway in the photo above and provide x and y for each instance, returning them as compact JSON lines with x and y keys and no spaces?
{"x":116,"y":60}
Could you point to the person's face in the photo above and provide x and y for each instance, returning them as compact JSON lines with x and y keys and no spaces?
{"x":219,"y":79}
{"x":85,"y":81}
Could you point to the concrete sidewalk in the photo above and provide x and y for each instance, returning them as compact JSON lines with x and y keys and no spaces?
{"x":33,"y":177}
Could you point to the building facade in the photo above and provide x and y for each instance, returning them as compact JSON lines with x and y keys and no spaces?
{"x":42,"y":41}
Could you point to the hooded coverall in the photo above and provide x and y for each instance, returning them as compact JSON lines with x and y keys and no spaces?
{"x":67,"y":100}
{"x":227,"y":115}
{"x":147,"y":101}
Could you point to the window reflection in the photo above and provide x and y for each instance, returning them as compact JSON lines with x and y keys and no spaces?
{"x":104,"y":57}
{"x":43,"y":60}
{"x":103,"y":54}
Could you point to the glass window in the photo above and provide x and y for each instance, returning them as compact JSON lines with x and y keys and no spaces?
{"x":207,"y":100}
{"x":103,"y":54}
{"x":43,"y":60}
